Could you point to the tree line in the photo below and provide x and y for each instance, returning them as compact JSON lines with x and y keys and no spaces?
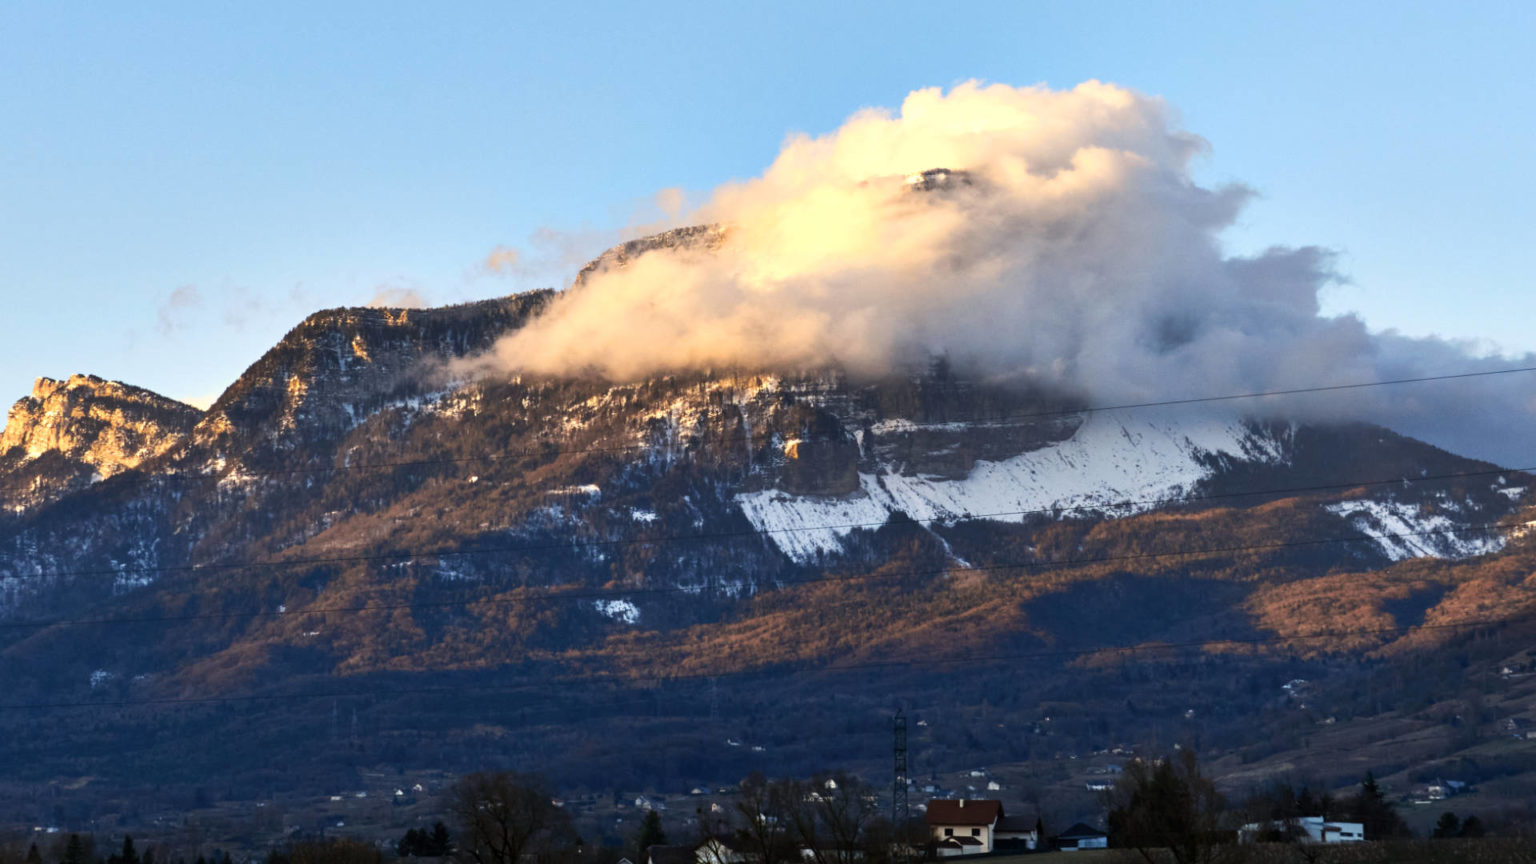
{"x":1166,"y":810}
{"x":1159,"y":810}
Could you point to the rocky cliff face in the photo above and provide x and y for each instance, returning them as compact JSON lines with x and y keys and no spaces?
{"x":341,"y":366}
{"x":69,"y":434}
{"x":105,"y":424}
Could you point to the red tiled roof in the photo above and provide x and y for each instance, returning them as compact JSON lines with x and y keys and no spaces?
{"x":973,"y":811}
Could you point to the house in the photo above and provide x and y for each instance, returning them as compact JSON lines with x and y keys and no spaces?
{"x":1081,"y":836}
{"x":1308,"y":829}
{"x":977,"y":826}
{"x":1320,"y":830}
{"x":963,"y":826}
{"x":1016,"y":834}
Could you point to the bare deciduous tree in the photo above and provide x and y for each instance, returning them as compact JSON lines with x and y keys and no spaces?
{"x":506,"y":816}
{"x":764,"y":808}
{"x":1166,"y":806}
{"x":830,"y":817}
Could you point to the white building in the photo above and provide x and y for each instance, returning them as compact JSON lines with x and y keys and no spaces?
{"x":1321,"y":830}
{"x":1309,"y":829}
{"x":963,"y":827}
{"x":976,"y":826}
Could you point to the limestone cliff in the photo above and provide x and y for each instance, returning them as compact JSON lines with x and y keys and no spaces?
{"x":68,"y":434}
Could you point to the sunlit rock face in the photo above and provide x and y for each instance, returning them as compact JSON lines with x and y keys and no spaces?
{"x":337,"y":368}
{"x":69,"y":434}
{"x":105,"y":424}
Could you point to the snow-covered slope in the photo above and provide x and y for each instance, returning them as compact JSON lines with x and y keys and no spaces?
{"x":1115,"y":464}
{"x":1409,"y":529}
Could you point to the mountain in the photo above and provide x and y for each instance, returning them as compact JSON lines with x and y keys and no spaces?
{"x":536,"y":571}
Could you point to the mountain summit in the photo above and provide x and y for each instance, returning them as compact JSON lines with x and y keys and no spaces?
{"x":69,"y":434}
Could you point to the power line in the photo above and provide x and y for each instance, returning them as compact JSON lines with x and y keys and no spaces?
{"x":1003,"y":419}
{"x":407,"y":555}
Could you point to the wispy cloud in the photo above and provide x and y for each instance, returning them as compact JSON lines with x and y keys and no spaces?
{"x":388,"y":297}
{"x":172,"y":313}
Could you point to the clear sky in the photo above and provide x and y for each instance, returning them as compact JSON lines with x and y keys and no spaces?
{"x":181,"y":183}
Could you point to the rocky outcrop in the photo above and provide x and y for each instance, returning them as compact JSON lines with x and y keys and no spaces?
{"x":105,"y":424}
{"x":70,"y":433}
{"x":340,"y":366}
{"x":693,"y":237}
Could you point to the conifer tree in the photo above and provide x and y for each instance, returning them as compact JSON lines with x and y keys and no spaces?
{"x":651,"y":833}
{"x":74,"y":850}
{"x":1373,"y":811}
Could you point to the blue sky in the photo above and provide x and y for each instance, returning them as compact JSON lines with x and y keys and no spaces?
{"x":271,"y":159}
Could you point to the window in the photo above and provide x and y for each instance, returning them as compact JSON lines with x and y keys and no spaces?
{"x":949,"y":832}
{"x":975,"y":832}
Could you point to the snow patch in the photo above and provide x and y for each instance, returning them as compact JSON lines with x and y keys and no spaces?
{"x":618,"y":610}
{"x":1115,"y":464}
{"x":1402,"y":530}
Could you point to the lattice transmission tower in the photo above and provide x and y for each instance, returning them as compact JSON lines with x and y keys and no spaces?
{"x":899,"y":812}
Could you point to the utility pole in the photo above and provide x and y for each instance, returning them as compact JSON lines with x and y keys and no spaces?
{"x":899,"y":813}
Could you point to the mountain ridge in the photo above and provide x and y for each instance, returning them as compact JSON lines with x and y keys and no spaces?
{"x":345,"y":516}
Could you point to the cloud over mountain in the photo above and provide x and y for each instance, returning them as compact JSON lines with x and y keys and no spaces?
{"x":1068,"y":244}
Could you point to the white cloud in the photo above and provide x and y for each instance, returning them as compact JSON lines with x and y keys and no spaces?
{"x":1076,"y":250}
